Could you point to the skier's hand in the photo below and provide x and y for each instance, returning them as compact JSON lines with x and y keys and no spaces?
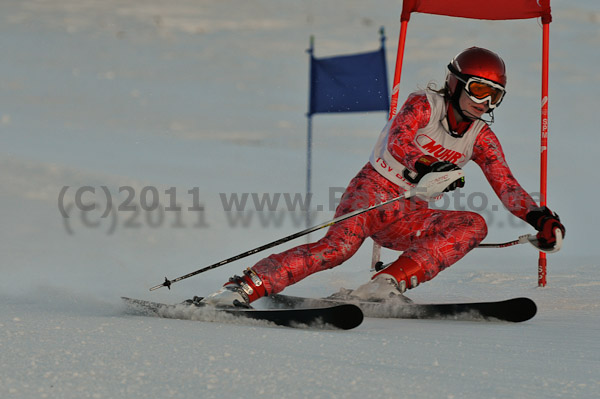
{"x":427,"y":164}
{"x":545,"y":222}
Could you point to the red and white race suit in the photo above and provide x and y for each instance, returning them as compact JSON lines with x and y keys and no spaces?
{"x":435,"y":239}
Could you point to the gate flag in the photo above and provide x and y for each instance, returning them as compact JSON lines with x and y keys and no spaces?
{"x":349,"y":83}
{"x":480,"y":9}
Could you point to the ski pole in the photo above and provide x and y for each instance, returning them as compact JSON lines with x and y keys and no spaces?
{"x":167,"y":283}
{"x":524,"y":239}
{"x":521,"y":240}
{"x":531,"y":239}
{"x":430,"y":185}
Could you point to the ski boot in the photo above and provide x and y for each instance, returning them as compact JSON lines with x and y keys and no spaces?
{"x":237,"y":292}
{"x":388,"y":284}
{"x":405,"y":272}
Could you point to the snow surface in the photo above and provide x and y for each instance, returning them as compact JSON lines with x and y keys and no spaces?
{"x":211,"y":96}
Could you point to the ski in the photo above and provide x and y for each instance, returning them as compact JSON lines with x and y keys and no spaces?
{"x":514,"y":310}
{"x":337,"y":316}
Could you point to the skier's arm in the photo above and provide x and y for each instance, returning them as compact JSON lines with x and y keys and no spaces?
{"x":413,"y":115}
{"x":488,"y":154}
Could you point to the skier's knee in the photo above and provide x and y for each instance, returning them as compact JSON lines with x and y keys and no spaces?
{"x":478,"y":226}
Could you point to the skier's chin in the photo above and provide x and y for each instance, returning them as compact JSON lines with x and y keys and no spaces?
{"x":472,"y":116}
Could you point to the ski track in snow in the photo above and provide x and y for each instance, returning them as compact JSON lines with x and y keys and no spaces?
{"x":212,"y":95}
{"x":72,"y":346}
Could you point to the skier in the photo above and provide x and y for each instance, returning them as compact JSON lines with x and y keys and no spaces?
{"x":435,"y":130}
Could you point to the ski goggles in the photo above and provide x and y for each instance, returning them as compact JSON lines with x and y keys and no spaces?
{"x":481,"y":90}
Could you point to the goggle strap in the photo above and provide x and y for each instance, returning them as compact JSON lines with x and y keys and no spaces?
{"x":455,"y":71}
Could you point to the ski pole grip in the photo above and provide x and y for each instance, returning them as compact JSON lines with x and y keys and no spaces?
{"x":433,"y":184}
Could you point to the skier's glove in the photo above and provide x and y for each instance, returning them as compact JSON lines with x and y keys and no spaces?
{"x":545,"y":222}
{"x":427,"y":164}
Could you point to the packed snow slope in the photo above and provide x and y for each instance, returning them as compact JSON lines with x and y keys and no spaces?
{"x":177,"y":112}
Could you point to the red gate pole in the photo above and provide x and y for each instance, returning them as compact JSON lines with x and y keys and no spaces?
{"x":542,"y":263}
{"x":398,"y":70}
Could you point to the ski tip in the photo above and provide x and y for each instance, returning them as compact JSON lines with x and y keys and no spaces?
{"x":524,"y":309}
{"x":350,"y":317}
